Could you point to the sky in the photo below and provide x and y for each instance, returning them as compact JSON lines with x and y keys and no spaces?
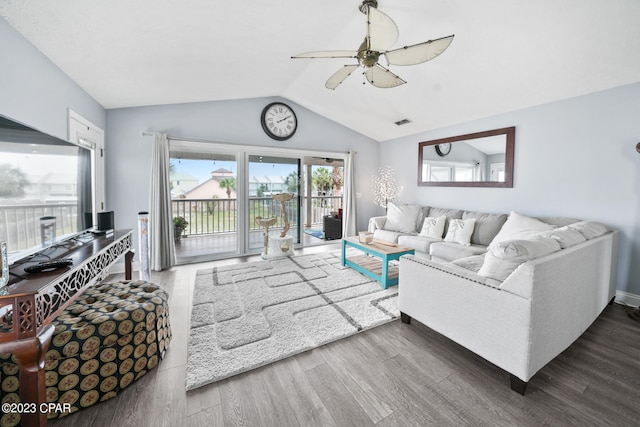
{"x":40,"y":164}
{"x":202,"y":169}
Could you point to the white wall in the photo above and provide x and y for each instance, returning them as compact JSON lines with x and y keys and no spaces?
{"x":574,"y":158}
{"x":35,"y":92}
{"x":128,"y":155}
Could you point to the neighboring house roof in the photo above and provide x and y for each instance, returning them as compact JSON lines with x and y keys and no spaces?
{"x":221,"y":171}
{"x":209,"y":188}
{"x":182,"y":176}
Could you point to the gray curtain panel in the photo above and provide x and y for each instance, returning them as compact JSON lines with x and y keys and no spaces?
{"x":161,"y":244}
{"x":349,"y":217}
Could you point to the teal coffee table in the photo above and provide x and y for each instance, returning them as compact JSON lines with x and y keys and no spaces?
{"x":374,"y":262}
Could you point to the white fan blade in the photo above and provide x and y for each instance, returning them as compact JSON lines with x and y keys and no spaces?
{"x":381,"y":77}
{"x":328,"y":54}
{"x":382,"y":32}
{"x":418,"y":53}
{"x":339,"y":76}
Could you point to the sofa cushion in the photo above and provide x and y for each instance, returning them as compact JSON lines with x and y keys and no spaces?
{"x":520,"y":227}
{"x":473,"y":262}
{"x":486,"y":226}
{"x":386,"y":235}
{"x":566,"y":236}
{"x":460,"y":230}
{"x":449,"y":213}
{"x":433,"y":227}
{"x":590,"y":229}
{"x":558,"y":221}
{"x":402,"y":218}
{"x":448,"y":251}
{"x":419,"y":243}
{"x":504,"y":257}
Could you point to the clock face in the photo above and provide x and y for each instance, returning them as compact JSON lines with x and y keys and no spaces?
{"x":443,"y":149}
{"x":279,"y":121}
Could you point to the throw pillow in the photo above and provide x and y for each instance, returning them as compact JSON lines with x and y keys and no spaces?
{"x":401,"y":218}
{"x":520,"y":227}
{"x":460,"y":231}
{"x":590,"y":229}
{"x":566,"y":236}
{"x":433,"y":227}
{"x":503,"y":258}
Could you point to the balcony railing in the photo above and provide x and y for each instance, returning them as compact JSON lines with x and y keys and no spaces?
{"x":213,"y":216}
{"x":20,"y":224}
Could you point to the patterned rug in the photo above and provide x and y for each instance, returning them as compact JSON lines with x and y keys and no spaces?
{"x":249,"y":315}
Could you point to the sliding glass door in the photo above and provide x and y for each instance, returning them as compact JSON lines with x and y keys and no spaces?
{"x":204,"y":194}
{"x":269,"y":175}
{"x":218,"y":191}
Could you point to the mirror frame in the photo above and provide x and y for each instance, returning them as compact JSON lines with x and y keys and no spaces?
{"x":509,"y":132}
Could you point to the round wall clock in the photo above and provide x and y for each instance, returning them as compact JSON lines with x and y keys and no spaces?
{"x":443,"y":149}
{"x":279,"y":121}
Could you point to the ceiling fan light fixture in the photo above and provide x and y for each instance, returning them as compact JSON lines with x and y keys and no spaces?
{"x":382,"y":33}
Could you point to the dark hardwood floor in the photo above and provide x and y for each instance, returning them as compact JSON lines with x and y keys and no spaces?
{"x":393,"y":375}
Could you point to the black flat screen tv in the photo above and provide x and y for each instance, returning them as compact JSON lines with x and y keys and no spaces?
{"x":46,"y":189}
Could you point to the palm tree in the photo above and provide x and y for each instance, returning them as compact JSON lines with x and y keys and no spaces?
{"x":229,"y":184}
{"x":321,"y":179}
{"x":336,"y":179}
{"x":291,"y":181}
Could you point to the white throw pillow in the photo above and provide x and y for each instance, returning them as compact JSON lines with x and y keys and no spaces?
{"x":433,"y":227}
{"x":589,"y":229}
{"x":520,"y":227}
{"x":460,"y":231}
{"x":401,"y":218}
{"x":503,"y":258}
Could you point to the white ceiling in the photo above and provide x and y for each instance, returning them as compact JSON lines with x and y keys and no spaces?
{"x":506,"y":54}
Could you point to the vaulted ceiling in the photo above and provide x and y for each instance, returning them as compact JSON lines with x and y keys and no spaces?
{"x":506,"y":54}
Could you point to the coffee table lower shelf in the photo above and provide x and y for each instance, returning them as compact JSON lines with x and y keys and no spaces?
{"x":375,"y":261}
{"x":372,"y":267}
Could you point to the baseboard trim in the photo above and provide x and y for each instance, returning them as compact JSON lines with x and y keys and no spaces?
{"x":628,"y":299}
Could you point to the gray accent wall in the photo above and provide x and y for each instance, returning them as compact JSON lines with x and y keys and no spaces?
{"x":35,"y":92}
{"x":574,"y":158}
{"x":128,"y":154}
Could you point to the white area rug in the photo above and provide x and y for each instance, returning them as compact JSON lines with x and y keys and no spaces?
{"x":248,"y":315}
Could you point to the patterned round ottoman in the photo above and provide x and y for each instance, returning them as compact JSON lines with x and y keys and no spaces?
{"x":112,"y":335}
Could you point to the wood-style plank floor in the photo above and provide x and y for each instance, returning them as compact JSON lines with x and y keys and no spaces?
{"x":393,"y":375}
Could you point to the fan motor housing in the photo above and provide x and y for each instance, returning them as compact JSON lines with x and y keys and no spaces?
{"x":366,"y":4}
{"x":366,"y":57}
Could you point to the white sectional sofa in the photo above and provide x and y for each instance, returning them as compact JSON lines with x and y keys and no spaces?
{"x":518,"y":296}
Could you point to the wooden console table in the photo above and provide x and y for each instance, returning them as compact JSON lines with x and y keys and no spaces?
{"x":34,"y":300}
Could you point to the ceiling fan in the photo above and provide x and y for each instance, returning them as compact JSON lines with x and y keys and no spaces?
{"x":382,"y":34}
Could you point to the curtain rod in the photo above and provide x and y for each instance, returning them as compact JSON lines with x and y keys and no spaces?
{"x":175,"y":138}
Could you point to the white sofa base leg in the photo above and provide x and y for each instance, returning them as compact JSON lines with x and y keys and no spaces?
{"x":518,"y":385}
{"x":405,"y":318}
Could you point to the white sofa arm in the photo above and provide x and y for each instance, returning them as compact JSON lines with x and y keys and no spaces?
{"x":376,"y":223}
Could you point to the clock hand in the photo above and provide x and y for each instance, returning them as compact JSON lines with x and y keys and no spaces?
{"x":283,"y":119}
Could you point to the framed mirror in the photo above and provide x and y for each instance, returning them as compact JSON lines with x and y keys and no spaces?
{"x":482,"y":159}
